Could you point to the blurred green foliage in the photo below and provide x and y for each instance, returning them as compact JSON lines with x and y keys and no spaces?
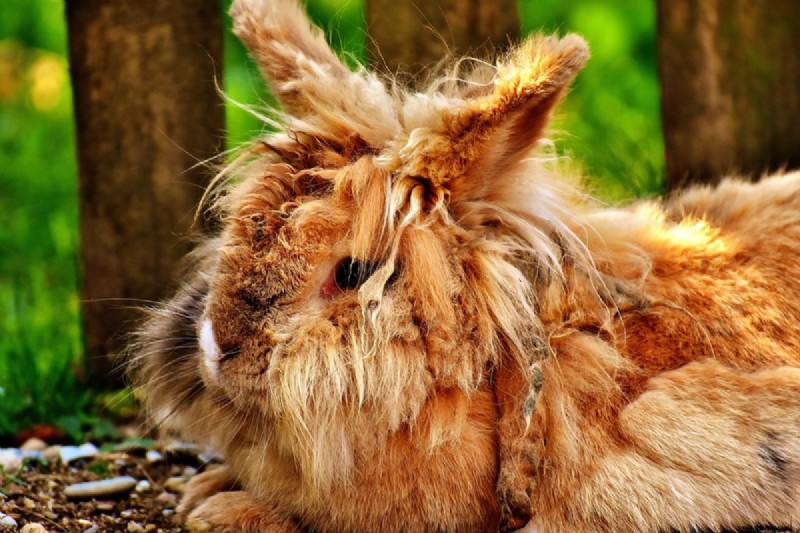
{"x":609,"y":124}
{"x":40,"y":342}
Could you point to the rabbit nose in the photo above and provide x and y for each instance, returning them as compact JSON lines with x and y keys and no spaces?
{"x":209,"y":348}
{"x":214,"y":351}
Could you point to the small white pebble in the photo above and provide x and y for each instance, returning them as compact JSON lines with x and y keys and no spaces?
{"x":189,"y":471}
{"x":175,"y":484}
{"x":167,"y":497}
{"x":168,"y":512}
{"x":105,"y":487}
{"x":33,"y":527}
{"x":143,"y":486}
{"x":179,"y":447}
{"x":154,"y":456}
{"x":135,"y":527}
{"x":127,"y":513}
{"x":10,"y":458}
{"x":7,"y":523}
{"x":73,"y":453}
{"x":33,"y":445}
{"x":33,"y":455}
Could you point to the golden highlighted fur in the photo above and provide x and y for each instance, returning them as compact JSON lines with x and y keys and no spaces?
{"x":412,"y":321}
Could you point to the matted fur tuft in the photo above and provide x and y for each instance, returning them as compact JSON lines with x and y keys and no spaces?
{"x":413,"y":319}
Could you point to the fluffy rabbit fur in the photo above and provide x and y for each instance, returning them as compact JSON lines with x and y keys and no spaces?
{"x":411,"y":322}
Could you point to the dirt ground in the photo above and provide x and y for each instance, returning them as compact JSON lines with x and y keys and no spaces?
{"x":35,"y":494}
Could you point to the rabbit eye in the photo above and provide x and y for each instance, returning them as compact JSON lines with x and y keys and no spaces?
{"x":351,"y":273}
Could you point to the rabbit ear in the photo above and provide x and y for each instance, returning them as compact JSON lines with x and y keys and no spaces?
{"x":500,"y":123}
{"x":307,"y":77}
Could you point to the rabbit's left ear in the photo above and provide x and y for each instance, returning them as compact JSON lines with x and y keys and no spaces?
{"x":477,"y":141}
{"x":311,"y":83}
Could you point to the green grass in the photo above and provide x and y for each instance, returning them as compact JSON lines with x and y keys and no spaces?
{"x":40,"y":337}
{"x":40,"y":340}
{"x":610,"y":125}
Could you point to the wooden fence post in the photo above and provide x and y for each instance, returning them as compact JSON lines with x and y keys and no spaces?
{"x":406,"y":36}
{"x":146,"y":111}
{"x":730,"y":81}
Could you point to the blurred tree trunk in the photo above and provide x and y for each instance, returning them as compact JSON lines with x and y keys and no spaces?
{"x":146,"y":111}
{"x":409,"y":35}
{"x":730,"y":81}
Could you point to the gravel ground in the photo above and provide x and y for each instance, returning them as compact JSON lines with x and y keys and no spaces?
{"x":38,"y":485}
{"x":37,"y":492}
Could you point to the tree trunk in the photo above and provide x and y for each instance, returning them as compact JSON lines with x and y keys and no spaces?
{"x":408,"y":35}
{"x":146,"y":111}
{"x":730,"y":79}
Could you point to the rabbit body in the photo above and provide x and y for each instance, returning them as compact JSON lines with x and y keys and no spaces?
{"x":408,"y":322}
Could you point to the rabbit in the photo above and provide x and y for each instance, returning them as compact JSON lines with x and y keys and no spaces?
{"x":413,"y":318}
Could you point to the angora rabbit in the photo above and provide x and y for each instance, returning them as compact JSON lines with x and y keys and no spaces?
{"x":409,"y":321}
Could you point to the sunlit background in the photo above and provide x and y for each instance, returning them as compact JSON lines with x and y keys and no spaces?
{"x":609,"y":125}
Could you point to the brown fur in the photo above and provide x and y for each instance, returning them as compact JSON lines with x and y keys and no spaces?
{"x":514,"y":353}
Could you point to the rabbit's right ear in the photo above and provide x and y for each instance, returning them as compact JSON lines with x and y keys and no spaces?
{"x":309,"y":80}
{"x":470,"y":147}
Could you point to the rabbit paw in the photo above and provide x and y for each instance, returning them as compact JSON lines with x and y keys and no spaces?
{"x":237,"y":512}
{"x":203,"y":486}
